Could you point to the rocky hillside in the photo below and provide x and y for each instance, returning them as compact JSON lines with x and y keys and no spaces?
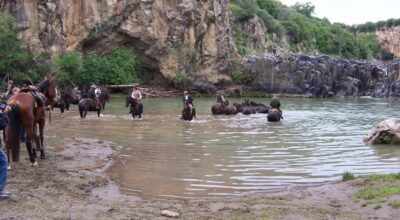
{"x":202,"y":40}
{"x":389,"y":38}
{"x":173,"y":36}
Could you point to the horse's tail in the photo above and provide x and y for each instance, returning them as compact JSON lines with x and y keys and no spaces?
{"x":15,"y":131}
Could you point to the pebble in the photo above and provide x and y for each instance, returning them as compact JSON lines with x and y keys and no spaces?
{"x":169,"y":213}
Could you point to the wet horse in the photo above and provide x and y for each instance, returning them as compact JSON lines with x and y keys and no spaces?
{"x":28,"y":113}
{"x":274,"y":115}
{"x":136,"y":109}
{"x":104,"y":96}
{"x":187,"y":113}
{"x":87,"y":104}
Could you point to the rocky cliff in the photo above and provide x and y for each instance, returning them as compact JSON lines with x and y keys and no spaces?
{"x":321,"y":76}
{"x":389,"y":38}
{"x":186,"y":36}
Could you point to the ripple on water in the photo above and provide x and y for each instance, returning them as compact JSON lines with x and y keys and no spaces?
{"x":228,"y":155}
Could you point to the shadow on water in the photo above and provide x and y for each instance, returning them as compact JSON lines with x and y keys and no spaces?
{"x":228,"y":155}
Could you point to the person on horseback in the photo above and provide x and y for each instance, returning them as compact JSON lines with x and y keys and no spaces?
{"x":136,"y":95}
{"x":76,"y":92}
{"x":220,"y":98}
{"x":3,"y":158}
{"x":276,"y":104}
{"x":187,"y":99}
{"x":94,"y":94}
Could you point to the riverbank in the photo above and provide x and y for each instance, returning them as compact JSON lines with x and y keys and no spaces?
{"x":72,"y":184}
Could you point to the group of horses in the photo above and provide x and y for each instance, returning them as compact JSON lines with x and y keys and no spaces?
{"x":85,"y":104}
{"x":246,"y":108}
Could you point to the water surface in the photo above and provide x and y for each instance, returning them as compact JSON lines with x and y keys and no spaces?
{"x":317,"y":141}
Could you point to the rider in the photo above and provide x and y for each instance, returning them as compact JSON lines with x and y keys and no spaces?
{"x":187,"y":99}
{"x":94,"y":94}
{"x":76,"y":92}
{"x":276,"y":104}
{"x":220,"y":98}
{"x":136,"y":95}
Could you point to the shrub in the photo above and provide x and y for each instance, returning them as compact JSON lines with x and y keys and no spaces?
{"x":346,"y":176}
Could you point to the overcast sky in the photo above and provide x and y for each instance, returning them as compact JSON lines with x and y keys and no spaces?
{"x":353,"y":11}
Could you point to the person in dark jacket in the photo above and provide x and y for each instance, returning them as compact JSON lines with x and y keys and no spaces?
{"x":3,"y":158}
{"x":276,"y":104}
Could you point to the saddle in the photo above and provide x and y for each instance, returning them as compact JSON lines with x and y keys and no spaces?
{"x":38,"y":96}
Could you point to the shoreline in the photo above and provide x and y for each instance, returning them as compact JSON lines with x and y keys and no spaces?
{"x":73,"y":183}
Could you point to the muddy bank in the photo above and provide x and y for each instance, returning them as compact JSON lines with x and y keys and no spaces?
{"x":72,"y":184}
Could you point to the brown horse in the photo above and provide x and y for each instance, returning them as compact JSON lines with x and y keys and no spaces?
{"x":104,"y":96}
{"x":188,"y":113}
{"x":88,"y":104}
{"x":136,"y":108}
{"x":274,"y":115}
{"x":25,"y":115}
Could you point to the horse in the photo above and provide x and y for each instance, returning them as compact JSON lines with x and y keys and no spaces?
{"x":245,"y":110}
{"x":136,"y":109}
{"x":188,"y":114}
{"x":69,"y":98}
{"x":60,"y":103}
{"x":87,"y":104}
{"x":259,"y":107}
{"x":27,"y":112}
{"x":274,"y":115}
{"x":104,"y":96}
{"x":218,"y":109}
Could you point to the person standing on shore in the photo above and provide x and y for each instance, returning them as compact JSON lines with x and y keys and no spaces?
{"x":3,"y":158}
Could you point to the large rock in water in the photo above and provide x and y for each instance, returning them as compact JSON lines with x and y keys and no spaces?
{"x":386,"y":132}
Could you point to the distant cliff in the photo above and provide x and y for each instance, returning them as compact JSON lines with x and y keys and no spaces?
{"x":172,"y":36}
{"x":389,"y":38}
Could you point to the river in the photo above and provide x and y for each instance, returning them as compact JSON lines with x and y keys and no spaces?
{"x":316,"y":142}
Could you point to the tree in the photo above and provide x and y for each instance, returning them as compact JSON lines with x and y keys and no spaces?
{"x":12,"y":55}
{"x":306,"y":9}
{"x":68,"y":67}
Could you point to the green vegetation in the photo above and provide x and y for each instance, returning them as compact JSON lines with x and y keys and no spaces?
{"x":117,"y":67}
{"x":307,"y":33}
{"x":372,"y":27}
{"x":347,"y":176}
{"x":16,"y":59}
{"x":377,"y":188}
{"x":179,"y":79}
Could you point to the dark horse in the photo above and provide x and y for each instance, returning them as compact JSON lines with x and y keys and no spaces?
{"x":69,"y":98}
{"x":136,"y":109}
{"x":28,"y":111}
{"x":274,"y":115}
{"x":104,"y":96}
{"x":188,"y":114}
{"x":59,"y":103}
{"x":87,"y":104}
{"x":223,"y":108}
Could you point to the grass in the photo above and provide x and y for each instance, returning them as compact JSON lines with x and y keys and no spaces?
{"x":347,"y":176}
{"x":394,"y":204}
{"x":377,"y":188}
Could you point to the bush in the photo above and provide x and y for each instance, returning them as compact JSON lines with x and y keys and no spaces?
{"x":347,"y":176}
{"x":179,"y":79}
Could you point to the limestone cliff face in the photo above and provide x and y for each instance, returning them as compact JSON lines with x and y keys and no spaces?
{"x":389,"y":38}
{"x":187,"y":36}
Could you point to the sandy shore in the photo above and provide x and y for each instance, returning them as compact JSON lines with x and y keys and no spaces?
{"x":72,"y":183}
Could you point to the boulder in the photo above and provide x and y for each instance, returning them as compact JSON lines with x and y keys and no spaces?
{"x":386,"y":132}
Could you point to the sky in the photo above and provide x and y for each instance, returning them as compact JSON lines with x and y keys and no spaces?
{"x":353,"y":11}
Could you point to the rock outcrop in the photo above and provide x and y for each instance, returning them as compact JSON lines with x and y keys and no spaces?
{"x":386,"y":132}
{"x":389,"y":38}
{"x":321,"y":76}
{"x":186,"y":36}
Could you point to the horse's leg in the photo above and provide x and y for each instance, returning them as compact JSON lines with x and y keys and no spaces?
{"x":37,"y":141}
{"x":41,"y":138}
{"x":28,"y":142}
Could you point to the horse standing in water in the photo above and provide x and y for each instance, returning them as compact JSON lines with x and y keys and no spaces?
{"x":187,"y":113}
{"x":87,"y":104}
{"x":136,"y":109}
{"x":274,"y":115}
{"x":104,"y":96}
{"x":28,"y":111}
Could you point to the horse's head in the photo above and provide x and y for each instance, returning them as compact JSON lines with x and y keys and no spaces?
{"x":48,"y":88}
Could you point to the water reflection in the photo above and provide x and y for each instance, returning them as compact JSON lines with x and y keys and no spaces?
{"x":225,"y":155}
